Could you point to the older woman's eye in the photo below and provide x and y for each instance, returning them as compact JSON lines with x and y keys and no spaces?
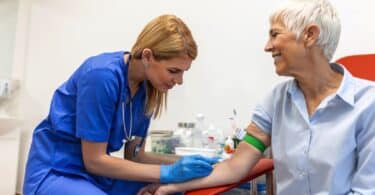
{"x":274,"y":34}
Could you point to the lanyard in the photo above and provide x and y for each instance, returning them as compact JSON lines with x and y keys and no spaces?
{"x":128,"y":137}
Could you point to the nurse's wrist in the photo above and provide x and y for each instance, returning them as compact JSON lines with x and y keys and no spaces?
{"x":164,"y":174}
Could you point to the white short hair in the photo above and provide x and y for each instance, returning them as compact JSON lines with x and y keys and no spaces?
{"x":301,"y":13}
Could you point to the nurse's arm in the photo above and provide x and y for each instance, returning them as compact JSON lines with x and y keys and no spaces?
{"x":152,"y":158}
{"x":228,"y":171}
{"x":97,"y":162}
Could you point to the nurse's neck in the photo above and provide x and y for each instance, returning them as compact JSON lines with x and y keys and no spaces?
{"x":136,"y":73}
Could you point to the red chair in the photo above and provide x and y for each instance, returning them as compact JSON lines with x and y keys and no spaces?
{"x":264,"y":166}
{"x":362,"y":66}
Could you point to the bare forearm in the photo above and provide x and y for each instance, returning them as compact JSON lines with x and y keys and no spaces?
{"x":152,"y":158}
{"x":123,"y":169}
{"x":230,"y":171}
{"x":221,"y":175}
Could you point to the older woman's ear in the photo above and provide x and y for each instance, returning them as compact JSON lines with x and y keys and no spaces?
{"x":311,"y":35}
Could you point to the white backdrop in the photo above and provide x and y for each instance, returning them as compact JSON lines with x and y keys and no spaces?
{"x":231,"y":71}
{"x":8,"y":18}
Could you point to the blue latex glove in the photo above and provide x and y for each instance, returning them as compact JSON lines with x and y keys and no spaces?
{"x":187,"y":168}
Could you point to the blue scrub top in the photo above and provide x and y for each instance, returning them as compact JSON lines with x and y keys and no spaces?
{"x":87,"y":106}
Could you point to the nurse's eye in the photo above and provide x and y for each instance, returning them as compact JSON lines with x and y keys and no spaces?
{"x":174,"y":70}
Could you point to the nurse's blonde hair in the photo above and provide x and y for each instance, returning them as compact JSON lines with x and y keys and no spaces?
{"x":167,"y":36}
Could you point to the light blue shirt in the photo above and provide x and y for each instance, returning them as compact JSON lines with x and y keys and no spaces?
{"x":330,"y":152}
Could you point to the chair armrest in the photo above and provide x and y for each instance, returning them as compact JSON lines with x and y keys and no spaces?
{"x":263,"y":166}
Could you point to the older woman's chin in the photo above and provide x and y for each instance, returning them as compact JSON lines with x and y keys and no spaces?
{"x":278,"y":70}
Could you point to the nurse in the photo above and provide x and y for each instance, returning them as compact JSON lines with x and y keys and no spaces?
{"x":107,"y":103}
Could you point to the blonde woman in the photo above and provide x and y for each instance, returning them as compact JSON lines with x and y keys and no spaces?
{"x":107,"y":103}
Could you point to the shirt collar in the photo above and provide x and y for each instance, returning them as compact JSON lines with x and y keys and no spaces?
{"x":346,"y":90}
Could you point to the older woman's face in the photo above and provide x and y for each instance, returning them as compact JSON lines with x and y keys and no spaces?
{"x":286,"y":50}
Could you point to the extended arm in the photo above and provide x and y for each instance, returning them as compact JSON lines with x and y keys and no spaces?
{"x":229,"y":171}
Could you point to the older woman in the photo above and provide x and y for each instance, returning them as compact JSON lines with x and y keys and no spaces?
{"x":320,"y":124}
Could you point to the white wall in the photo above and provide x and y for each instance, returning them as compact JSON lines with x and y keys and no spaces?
{"x":231,"y":71}
{"x":8,"y":18}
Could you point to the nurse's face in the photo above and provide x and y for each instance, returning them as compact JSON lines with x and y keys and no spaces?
{"x":287,"y":51}
{"x":165,"y":74}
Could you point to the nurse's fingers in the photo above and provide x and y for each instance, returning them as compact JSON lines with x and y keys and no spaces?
{"x":144,"y":192}
{"x":148,"y":190}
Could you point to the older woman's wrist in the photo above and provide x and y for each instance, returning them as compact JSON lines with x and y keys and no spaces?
{"x":171,"y":188}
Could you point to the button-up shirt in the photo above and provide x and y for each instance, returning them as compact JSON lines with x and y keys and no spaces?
{"x":331,"y":151}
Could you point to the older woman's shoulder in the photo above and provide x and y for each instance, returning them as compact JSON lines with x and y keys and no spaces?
{"x":364,"y":90}
{"x":284,"y":86}
{"x":363,"y":84}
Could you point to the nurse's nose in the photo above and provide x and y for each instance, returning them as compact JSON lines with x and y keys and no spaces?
{"x":179,"y":79}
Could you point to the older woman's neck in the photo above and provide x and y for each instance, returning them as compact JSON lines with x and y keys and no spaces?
{"x":318,"y":78}
{"x":318,"y":82}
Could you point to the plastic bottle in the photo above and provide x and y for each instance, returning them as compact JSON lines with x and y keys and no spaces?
{"x":261,"y":185}
{"x":215,"y":138}
{"x":178,"y":134}
{"x":228,"y":148}
{"x":211,"y":137}
{"x":199,"y":130}
{"x":188,"y":137}
{"x":238,"y":133}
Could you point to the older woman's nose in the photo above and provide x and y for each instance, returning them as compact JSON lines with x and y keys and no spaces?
{"x":268,"y":47}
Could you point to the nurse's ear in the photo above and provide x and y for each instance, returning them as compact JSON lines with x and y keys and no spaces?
{"x":146,"y":57}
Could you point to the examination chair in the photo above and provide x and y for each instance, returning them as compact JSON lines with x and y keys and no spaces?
{"x":362,"y":66}
{"x":264,"y":166}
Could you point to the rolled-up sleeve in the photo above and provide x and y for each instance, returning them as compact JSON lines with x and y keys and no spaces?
{"x":262,"y":114}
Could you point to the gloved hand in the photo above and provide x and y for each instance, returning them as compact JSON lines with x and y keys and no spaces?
{"x":186,"y":168}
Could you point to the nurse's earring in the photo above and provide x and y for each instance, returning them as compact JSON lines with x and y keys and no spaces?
{"x":145,"y":64}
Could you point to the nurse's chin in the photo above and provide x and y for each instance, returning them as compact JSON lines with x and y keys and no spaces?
{"x":163,"y":89}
